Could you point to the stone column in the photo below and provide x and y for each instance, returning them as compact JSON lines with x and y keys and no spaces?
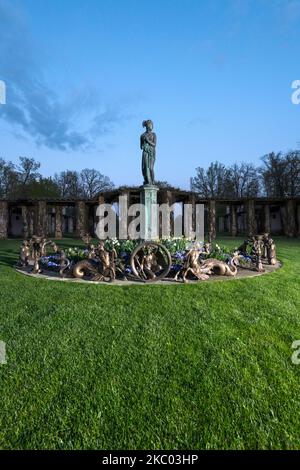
{"x":189,"y":217}
{"x":101,"y":199}
{"x":233,"y":221}
{"x":58,"y":222}
{"x":31,"y":221}
{"x":267,"y":221}
{"x":149,"y":199}
{"x":250,"y":218}
{"x":41,"y":219}
{"x":192,"y":201}
{"x":3,"y":220}
{"x":212,"y":219}
{"x":80,"y":219}
{"x":169,"y":200}
{"x":25,"y":222}
{"x":289,"y":219}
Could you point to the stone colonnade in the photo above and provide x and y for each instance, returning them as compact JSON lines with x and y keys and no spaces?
{"x":256,"y":213}
{"x":289,"y":211}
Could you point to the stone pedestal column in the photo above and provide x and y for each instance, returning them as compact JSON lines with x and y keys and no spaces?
{"x":25,"y":222}
{"x":233,"y":221}
{"x":267,"y":220}
{"x":41,"y":227}
{"x":250,"y":218}
{"x":3,"y":219}
{"x":58,"y":222}
{"x":149,"y":199}
{"x":212,"y":232}
{"x":80,"y":219}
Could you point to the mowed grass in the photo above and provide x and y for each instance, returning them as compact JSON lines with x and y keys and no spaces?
{"x":205,"y":366}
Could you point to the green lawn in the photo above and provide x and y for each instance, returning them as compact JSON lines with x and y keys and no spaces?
{"x":205,"y":366}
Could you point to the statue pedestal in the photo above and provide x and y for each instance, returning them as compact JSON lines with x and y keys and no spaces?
{"x":149,"y":199}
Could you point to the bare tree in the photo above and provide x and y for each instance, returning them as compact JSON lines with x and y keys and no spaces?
{"x":244,"y":180}
{"x":281,"y":174}
{"x":8,"y":179}
{"x":213,"y":182}
{"x":92,"y":182}
{"x":24,"y":180}
{"x":293,"y":173}
{"x":28,"y":170}
{"x":69,"y":184}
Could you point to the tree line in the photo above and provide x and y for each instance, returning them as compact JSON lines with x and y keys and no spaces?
{"x":23,"y":180}
{"x":277,"y":176}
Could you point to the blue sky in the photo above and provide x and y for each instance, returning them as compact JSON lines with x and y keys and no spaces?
{"x":214,"y":76}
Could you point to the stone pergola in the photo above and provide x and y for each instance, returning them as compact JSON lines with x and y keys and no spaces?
{"x":60,"y":217}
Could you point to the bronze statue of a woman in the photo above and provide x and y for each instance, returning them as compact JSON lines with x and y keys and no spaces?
{"x":148,"y":144}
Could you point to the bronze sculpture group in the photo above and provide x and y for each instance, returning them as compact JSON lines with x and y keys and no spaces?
{"x":149,"y":261}
{"x":192,"y":265}
{"x":262,"y":250}
{"x":100,"y":264}
{"x":33,"y":250}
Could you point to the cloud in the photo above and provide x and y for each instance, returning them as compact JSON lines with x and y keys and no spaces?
{"x":33,"y":108}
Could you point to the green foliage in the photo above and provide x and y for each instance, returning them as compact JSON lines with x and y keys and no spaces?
{"x":45,"y":187}
{"x":221,"y":253}
{"x":127,"y":246}
{"x":176,"y":244}
{"x":75,"y":254}
{"x":121,"y":246}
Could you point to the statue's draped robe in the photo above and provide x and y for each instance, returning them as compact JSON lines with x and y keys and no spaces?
{"x":148,"y":157}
